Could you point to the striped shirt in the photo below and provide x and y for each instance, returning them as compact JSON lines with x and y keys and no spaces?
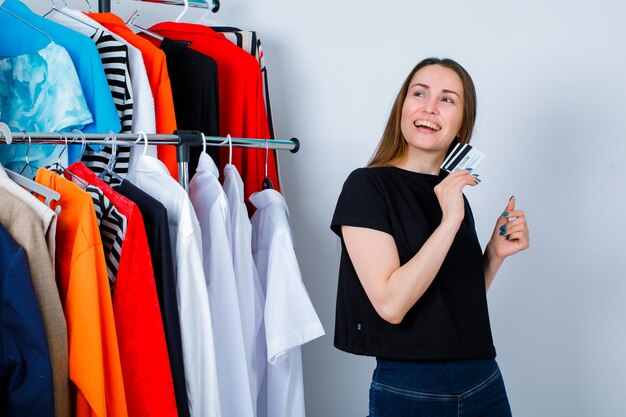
{"x":114,"y":56}
{"x":112,"y":225}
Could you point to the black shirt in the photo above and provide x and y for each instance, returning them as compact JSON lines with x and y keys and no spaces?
{"x":158,"y":233}
{"x":450,"y":321}
{"x":193,"y":77}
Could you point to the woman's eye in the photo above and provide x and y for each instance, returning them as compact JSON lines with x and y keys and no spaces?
{"x":419,"y":94}
{"x":447,"y":100}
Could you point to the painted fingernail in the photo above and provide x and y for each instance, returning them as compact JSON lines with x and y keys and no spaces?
{"x":504,"y":214}
{"x":469,"y":169}
{"x":511,"y":198}
{"x":503,"y":227}
{"x":507,"y":238}
{"x":502,"y":232}
{"x":476,"y":175}
{"x":478,"y":181}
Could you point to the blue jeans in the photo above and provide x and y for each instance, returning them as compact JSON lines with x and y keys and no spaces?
{"x":468,"y":388}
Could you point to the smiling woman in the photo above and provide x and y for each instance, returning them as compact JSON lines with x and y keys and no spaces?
{"x":413,"y":278}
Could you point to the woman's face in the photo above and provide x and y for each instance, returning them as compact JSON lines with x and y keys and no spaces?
{"x":433,"y":109}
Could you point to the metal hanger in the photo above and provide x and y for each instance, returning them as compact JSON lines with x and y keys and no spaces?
{"x":26,"y":23}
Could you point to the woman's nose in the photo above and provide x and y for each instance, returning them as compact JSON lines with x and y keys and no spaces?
{"x":431,"y":106}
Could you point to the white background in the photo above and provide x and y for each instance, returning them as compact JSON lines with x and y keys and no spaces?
{"x":551,"y":84}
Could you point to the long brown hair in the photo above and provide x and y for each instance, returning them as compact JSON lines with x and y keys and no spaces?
{"x":392,"y":145}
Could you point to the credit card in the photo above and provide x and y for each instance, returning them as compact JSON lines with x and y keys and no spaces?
{"x":462,"y":157}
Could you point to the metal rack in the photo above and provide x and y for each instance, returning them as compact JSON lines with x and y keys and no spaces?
{"x":105,"y":5}
{"x":182,"y":139}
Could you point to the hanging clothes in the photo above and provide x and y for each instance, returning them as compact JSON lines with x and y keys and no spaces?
{"x":39,"y":92}
{"x":25,"y":370}
{"x":26,"y":228}
{"x":158,"y":235}
{"x":289,"y":317}
{"x":196,"y":94}
{"x":249,"y":290}
{"x":152,"y":176}
{"x":47,"y":217}
{"x":156,"y":67}
{"x":211,"y":206}
{"x":94,"y":360}
{"x":242,"y":110}
{"x":143,"y":115}
{"x":86,"y":60}
{"x":143,"y":353}
{"x":251,"y":43}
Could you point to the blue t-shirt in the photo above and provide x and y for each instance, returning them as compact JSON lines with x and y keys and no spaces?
{"x":85,"y":58}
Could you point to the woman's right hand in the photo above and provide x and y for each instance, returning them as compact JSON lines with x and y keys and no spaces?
{"x":449,"y":192}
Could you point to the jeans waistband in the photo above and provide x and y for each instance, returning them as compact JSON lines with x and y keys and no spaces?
{"x":440,"y":377}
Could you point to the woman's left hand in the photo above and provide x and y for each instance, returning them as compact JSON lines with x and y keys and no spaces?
{"x":511,"y":232}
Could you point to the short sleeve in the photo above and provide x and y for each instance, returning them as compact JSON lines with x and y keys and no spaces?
{"x":361,"y":203}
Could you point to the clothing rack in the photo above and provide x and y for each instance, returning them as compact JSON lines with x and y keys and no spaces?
{"x":182,"y":139}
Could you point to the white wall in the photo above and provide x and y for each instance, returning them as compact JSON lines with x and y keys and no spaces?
{"x":551,"y":82}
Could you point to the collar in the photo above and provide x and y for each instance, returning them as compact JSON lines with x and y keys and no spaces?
{"x":3,"y":173}
{"x":185,"y":28}
{"x":206,"y":164}
{"x":149,"y":164}
{"x":109,"y":20}
{"x":265,"y":198}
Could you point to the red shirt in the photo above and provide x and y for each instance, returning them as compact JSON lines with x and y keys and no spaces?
{"x":143,"y":352}
{"x":242,"y":106}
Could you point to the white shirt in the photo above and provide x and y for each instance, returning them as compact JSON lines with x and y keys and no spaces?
{"x":289,"y":317}
{"x":46,"y":214}
{"x":209,"y":201}
{"x":152,"y":176}
{"x":249,"y":288}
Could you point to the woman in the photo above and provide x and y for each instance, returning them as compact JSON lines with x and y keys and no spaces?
{"x":413,"y":279}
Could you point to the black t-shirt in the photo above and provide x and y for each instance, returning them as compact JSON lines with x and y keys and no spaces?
{"x":193,"y":77}
{"x":450,"y":321}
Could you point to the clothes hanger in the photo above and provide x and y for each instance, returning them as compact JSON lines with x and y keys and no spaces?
{"x":57,"y":10}
{"x":142,"y":135}
{"x":61,"y":170}
{"x":230,"y":150}
{"x":267,"y":182}
{"x":88,"y":5}
{"x":83,"y":143}
{"x":212,"y":7}
{"x":109,"y":168}
{"x":33,"y":186}
{"x":133,"y":18}
{"x":185,"y":8}
{"x":26,"y":23}
{"x":28,"y":164}
{"x":5,"y":133}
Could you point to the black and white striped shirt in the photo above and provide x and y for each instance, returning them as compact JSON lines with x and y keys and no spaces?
{"x":114,"y":56}
{"x":112,"y":225}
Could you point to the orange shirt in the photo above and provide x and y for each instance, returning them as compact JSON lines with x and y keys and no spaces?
{"x":94,"y":361}
{"x":156,"y":67}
